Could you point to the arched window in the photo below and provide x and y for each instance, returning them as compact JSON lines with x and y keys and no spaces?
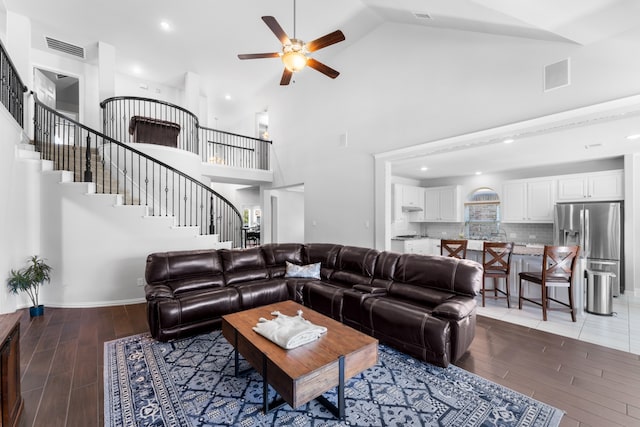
{"x":482,"y":214}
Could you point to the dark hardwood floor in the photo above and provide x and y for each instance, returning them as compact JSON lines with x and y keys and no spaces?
{"x":62,"y":368}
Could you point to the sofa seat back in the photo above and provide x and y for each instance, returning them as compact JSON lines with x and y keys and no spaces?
{"x":385,"y":269}
{"x":458,"y":276}
{"x":324,"y":253}
{"x":354,"y":266}
{"x":276,"y":256}
{"x":243,"y":265}
{"x":185,"y":271}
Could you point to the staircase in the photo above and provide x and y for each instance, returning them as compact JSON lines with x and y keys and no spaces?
{"x":116,"y":168}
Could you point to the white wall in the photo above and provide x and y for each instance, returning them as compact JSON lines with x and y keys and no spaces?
{"x":98,"y":250}
{"x":20,"y":210}
{"x":452,"y":83}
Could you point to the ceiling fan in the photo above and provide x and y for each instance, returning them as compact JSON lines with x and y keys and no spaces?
{"x":295,"y":52}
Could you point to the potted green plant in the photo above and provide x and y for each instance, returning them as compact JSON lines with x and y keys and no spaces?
{"x":29,"y":280}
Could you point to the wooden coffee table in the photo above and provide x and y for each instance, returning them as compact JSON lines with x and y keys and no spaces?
{"x":304,"y":373}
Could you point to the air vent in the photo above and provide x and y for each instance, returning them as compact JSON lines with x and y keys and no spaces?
{"x":65,"y":47}
{"x":556,"y":75}
{"x":422,"y":15}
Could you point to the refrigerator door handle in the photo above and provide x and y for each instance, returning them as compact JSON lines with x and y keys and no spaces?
{"x":586,"y":227}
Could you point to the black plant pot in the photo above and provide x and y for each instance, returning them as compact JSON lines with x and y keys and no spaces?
{"x":36,"y":311}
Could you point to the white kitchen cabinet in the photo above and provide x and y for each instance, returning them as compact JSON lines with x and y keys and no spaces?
{"x":442,"y":204}
{"x":417,"y":246}
{"x":408,"y":197}
{"x":607,"y":185}
{"x":528,"y":200}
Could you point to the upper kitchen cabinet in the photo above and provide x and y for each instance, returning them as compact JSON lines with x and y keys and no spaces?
{"x":409,"y":201}
{"x":529,"y":200}
{"x":595,"y":186}
{"x":442,"y":204}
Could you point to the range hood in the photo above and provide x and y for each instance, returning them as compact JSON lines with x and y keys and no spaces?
{"x":411,"y":209}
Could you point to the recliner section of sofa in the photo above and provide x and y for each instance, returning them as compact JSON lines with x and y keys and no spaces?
{"x":418,"y":304}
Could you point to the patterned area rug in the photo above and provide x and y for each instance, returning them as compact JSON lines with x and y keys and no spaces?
{"x":191,"y":383}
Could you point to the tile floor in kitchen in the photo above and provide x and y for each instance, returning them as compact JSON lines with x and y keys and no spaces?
{"x":620,"y":331}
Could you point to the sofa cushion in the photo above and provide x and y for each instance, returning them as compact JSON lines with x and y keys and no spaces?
{"x":310,"y":271}
{"x":354,"y":266}
{"x":324,"y":253}
{"x":428,"y":297}
{"x":277,"y":254}
{"x":262,"y":292}
{"x":243,"y":265}
{"x":185,"y":271}
{"x":385,"y":269}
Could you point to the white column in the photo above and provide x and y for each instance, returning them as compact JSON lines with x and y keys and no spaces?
{"x":106,"y":71}
{"x":192,"y":92}
{"x":632,"y":223}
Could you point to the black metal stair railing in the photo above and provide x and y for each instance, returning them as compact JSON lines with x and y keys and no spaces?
{"x":116,"y":168}
{"x":135,"y":119}
{"x":11,"y":87}
{"x":231,"y":149}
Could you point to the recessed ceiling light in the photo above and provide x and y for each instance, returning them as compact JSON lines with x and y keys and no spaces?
{"x":165,"y":25}
{"x":508,"y":140}
{"x":634,"y":136}
{"x":227,"y":97}
{"x":478,"y":173}
{"x":424,"y":168}
{"x":137,"y":70}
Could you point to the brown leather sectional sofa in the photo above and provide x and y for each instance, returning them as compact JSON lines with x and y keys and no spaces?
{"x":421,"y":305}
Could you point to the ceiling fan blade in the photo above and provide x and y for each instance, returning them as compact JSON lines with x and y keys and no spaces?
{"x":258,"y":55}
{"x":286,"y":77}
{"x":319,"y":66}
{"x":326,"y":40}
{"x":277,"y":29}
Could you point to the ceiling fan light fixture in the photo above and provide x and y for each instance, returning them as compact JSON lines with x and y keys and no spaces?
{"x":293,"y":56}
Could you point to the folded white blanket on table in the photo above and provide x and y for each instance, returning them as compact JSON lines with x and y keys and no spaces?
{"x":289,"y":331}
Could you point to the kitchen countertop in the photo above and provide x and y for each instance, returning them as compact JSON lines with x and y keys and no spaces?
{"x":518,"y":249}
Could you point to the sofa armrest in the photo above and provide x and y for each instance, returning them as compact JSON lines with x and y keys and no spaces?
{"x":370,"y":289}
{"x":455,"y":308}
{"x":154,"y":292}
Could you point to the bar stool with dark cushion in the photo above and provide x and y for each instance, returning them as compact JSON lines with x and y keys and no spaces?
{"x":496,"y":263}
{"x":558,"y":263}
{"x":453,"y":248}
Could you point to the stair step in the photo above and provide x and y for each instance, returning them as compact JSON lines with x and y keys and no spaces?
{"x":30,"y":155}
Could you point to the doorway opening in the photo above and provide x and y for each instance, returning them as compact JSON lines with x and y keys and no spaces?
{"x":58,"y":91}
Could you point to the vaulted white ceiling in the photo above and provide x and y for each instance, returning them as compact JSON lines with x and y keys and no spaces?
{"x":207,"y":35}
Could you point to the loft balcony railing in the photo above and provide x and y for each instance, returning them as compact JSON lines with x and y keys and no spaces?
{"x":116,"y":168}
{"x":11,"y":87}
{"x":230,"y":149}
{"x":134,"y":119}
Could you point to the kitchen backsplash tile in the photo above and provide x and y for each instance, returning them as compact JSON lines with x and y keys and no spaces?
{"x":520,"y":233}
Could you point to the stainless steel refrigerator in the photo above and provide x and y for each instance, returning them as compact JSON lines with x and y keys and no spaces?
{"x":597,"y":229}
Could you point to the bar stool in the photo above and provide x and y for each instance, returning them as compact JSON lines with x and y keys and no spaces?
{"x":558,"y":263}
{"x":453,"y":248}
{"x":496,"y":264}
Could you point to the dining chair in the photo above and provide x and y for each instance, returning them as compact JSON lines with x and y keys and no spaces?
{"x":496,"y":264}
{"x":453,"y":248}
{"x":558,"y":263}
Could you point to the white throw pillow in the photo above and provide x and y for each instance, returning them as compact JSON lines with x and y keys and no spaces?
{"x":310,"y":271}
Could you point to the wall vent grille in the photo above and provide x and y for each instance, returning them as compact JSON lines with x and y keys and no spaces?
{"x":65,"y":47}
